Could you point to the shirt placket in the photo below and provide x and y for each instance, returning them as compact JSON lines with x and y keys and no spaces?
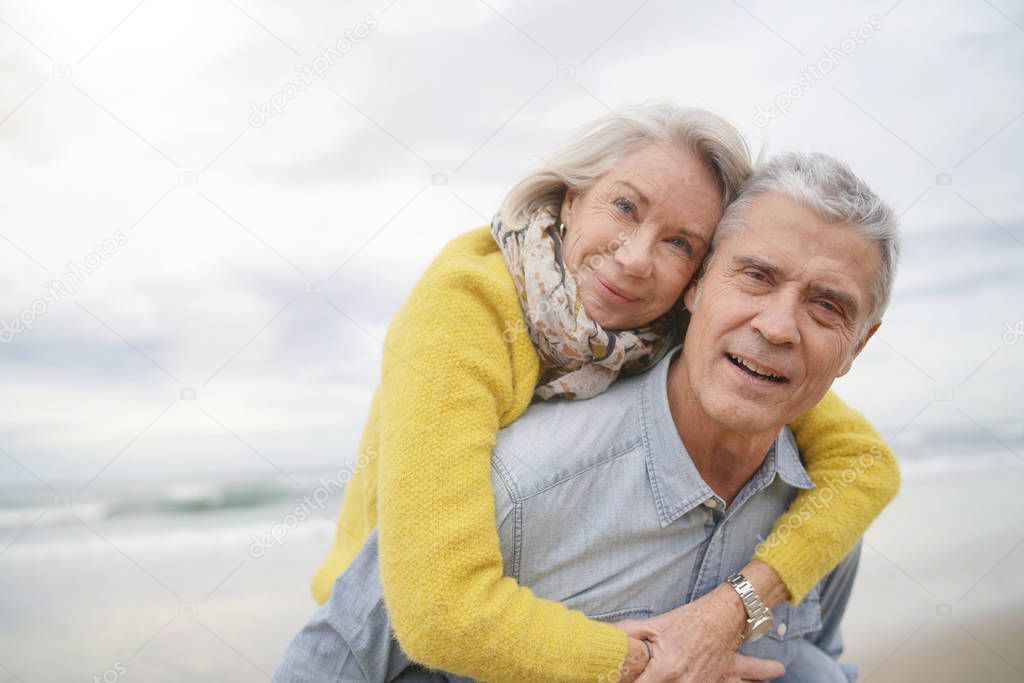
{"x":709,"y":558}
{"x":709,"y":570}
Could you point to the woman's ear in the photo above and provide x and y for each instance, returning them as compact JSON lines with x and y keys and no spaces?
{"x":568,"y":204}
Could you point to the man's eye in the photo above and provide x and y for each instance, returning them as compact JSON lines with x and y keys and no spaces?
{"x":829,"y":306}
{"x":756,"y":275}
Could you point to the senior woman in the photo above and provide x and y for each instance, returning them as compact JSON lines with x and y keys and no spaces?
{"x":578,"y":281}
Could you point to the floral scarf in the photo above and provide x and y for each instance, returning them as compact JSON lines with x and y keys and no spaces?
{"x":579,"y":358}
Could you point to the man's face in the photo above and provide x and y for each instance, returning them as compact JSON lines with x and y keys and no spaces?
{"x":776,"y":317}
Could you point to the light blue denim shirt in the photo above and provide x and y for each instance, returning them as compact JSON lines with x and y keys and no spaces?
{"x":599,"y":506}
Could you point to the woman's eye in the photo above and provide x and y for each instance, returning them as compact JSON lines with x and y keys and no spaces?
{"x":625,"y":206}
{"x":680,"y":243}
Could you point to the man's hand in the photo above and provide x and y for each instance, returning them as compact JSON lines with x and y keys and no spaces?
{"x":743,"y":668}
{"x":698,"y":641}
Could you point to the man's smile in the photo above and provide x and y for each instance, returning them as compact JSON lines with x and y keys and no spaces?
{"x":757,"y":370}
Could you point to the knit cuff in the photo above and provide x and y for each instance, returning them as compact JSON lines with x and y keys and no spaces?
{"x":795,"y":563}
{"x":606,"y":655}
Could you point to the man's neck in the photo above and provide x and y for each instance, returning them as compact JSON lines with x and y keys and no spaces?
{"x":725,"y":459}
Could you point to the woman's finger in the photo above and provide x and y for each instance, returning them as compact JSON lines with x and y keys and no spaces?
{"x":637,"y":629}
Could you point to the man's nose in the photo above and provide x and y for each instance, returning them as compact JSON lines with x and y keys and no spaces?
{"x":777,"y":319}
{"x":636,"y":254}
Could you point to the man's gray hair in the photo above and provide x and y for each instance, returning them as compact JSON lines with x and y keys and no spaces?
{"x":828,"y":187}
{"x":595,"y":148}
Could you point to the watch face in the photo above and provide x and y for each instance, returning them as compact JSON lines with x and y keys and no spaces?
{"x":759,"y":628}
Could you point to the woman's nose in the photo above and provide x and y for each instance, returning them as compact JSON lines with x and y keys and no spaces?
{"x":635,"y":256}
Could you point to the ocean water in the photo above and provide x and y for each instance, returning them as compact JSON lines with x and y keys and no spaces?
{"x":149,"y":516}
{"x":157,"y":514}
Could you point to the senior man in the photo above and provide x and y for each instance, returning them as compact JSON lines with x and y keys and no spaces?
{"x":652,"y":495}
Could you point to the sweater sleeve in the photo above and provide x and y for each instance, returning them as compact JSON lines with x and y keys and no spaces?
{"x":855,"y":476}
{"x":448,"y":378}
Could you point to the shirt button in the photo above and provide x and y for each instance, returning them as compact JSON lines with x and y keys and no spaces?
{"x":781,"y":630}
{"x":711,"y":503}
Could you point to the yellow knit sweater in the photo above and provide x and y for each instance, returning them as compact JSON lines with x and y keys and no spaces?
{"x":455,"y":371}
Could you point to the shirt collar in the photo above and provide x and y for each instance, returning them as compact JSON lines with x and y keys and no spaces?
{"x":787,"y":461}
{"x":675,"y":482}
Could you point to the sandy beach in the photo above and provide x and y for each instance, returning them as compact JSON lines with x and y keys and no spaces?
{"x":936,"y":598}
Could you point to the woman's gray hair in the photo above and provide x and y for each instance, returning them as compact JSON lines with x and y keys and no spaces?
{"x":828,"y":187}
{"x":595,"y":148}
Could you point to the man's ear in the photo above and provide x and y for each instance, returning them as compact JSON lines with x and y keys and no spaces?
{"x":690,"y":295}
{"x":860,"y":347}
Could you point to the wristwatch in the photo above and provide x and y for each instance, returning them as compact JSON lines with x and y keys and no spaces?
{"x":759,"y":617}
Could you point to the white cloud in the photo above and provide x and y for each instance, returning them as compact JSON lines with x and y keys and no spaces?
{"x":466,"y":91}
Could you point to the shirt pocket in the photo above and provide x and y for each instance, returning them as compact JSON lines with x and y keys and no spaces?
{"x":620,"y":614}
{"x":796,"y":621}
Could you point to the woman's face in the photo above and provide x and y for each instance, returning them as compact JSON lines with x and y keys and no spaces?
{"x":637,"y":236}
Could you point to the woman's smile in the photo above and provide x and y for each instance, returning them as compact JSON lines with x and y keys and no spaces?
{"x":612,"y":293}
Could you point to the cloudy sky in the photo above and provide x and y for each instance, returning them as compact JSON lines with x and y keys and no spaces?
{"x":236,"y":248}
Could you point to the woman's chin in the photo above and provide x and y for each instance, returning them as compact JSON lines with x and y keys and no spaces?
{"x":599,"y":313}
{"x":614,"y":322}
{"x":614,"y":317}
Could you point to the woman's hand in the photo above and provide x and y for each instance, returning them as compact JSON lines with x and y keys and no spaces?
{"x":698,"y":641}
{"x":636,"y":658}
